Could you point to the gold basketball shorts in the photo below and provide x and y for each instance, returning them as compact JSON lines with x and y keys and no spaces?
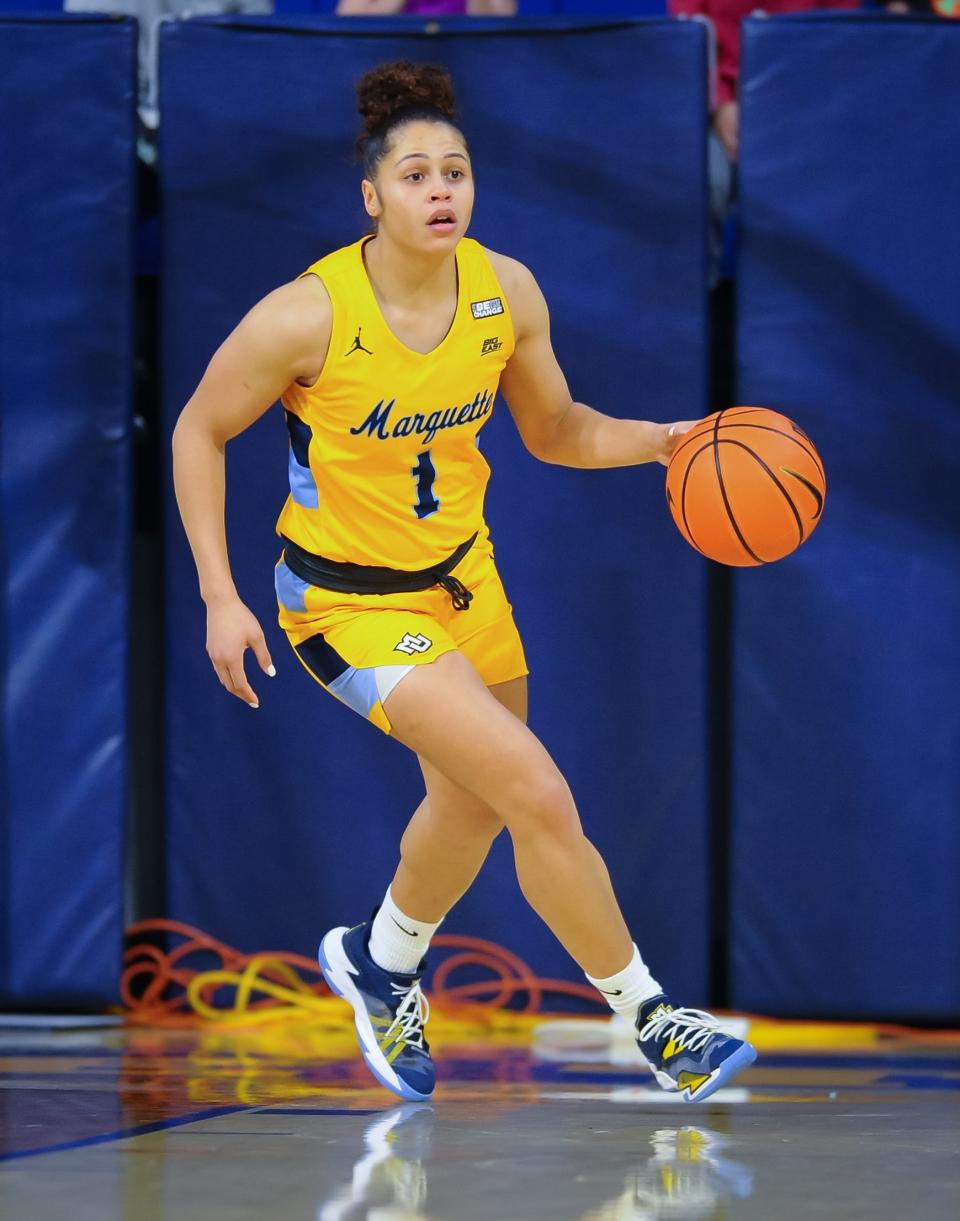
{"x":359,"y":646}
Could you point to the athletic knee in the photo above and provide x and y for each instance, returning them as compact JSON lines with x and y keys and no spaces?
{"x":542,"y":805}
{"x":461,"y":817}
{"x":482,"y":822}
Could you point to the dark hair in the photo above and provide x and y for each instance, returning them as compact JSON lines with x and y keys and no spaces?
{"x":394,"y":94}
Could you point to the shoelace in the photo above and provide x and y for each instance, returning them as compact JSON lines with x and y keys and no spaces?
{"x":412,"y":1013}
{"x":691,"y":1028}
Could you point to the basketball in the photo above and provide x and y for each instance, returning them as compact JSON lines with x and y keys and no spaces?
{"x":746,"y":486}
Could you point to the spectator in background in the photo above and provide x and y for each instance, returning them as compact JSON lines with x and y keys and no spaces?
{"x":724,"y":147}
{"x":924,"y":8}
{"x":723,"y":150}
{"x":427,"y":8}
{"x":725,"y":16}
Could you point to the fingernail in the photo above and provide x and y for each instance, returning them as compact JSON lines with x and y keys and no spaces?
{"x":252,"y":704}
{"x":272,"y":671}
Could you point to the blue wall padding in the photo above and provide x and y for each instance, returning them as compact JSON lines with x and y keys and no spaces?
{"x":67,"y":92}
{"x":846,"y":704}
{"x":588,"y":146}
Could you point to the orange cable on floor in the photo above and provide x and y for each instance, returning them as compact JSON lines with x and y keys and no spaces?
{"x":160,"y":986}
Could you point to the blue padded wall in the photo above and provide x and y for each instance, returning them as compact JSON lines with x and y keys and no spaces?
{"x":285,"y":820}
{"x":67,"y":141}
{"x":846,"y":768}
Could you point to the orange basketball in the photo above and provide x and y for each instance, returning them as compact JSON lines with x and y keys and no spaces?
{"x":746,"y":486}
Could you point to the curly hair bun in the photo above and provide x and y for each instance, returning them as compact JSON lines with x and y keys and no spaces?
{"x":391,"y":88}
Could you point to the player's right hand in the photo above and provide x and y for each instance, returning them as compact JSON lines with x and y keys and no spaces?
{"x":232,"y":628}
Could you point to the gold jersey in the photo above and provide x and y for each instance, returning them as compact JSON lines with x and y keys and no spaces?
{"x":385,"y":466}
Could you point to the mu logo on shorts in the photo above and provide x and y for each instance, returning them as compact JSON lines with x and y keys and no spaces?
{"x":413,"y":644}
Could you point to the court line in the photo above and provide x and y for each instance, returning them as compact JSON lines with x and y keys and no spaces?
{"x":105,"y":1138}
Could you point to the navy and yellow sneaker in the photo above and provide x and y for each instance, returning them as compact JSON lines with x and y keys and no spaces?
{"x":686,"y":1049}
{"x":389,"y":1009}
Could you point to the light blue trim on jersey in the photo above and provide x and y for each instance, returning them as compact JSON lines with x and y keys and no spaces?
{"x":303,"y":486}
{"x":357,"y":688}
{"x":291,"y":591}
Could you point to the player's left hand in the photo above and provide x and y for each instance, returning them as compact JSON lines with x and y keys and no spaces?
{"x":670,"y":437}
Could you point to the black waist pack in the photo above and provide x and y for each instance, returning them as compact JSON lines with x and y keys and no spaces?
{"x":348,"y":578}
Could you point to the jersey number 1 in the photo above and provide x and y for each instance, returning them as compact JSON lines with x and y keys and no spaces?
{"x":425,"y":473}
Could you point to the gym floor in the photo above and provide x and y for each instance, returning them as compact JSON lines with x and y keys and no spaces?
{"x":531,"y":1120}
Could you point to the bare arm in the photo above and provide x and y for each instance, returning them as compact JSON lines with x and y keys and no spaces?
{"x":492,"y":8}
{"x":369,"y":8}
{"x":282,"y":339}
{"x":553,"y":426}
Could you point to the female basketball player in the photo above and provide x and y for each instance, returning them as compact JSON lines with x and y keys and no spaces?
{"x":386,"y":356}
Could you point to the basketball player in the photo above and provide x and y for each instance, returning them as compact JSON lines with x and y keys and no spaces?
{"x":387,"y":356}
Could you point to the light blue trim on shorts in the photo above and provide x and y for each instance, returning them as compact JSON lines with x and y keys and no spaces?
{"x":361,"y":689}
{"x":291,"y":591}
{"x":357,"y":689}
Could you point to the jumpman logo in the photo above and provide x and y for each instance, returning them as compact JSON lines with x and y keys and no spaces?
{"x":358,"y":346}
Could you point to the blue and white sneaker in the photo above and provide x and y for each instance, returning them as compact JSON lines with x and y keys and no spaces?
{"x":389,"y":1179}
{"x":686,"y":1049}
{"x":390,"y":1012}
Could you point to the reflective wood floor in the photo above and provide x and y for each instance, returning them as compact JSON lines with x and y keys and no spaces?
{"x":285,"y":1123}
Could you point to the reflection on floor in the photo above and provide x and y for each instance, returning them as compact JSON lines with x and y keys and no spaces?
{"x":550,"y":1120}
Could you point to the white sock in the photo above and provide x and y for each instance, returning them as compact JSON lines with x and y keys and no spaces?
{"x":398,"y":942}
{"x":626,"y":991}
